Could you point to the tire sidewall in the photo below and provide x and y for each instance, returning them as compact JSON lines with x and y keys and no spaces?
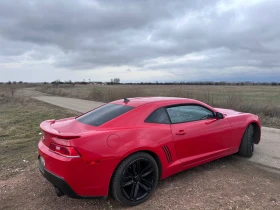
{"x":245,"y":148}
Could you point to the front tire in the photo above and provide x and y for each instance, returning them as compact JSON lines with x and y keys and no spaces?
{"x":135,"y":179}
{"x":246,"y":148}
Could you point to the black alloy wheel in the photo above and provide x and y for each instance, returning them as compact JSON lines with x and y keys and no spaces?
{"x":138,"y":179}
{"x":135,"y":179}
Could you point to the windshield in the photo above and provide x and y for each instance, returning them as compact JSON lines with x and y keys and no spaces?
{"x":103,"y":114}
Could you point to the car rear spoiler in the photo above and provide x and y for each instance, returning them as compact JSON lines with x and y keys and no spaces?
{"x":46,"y":127}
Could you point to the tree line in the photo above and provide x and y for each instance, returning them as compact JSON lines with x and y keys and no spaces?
{"x":116,"y":81}
{"x":206,"y":83}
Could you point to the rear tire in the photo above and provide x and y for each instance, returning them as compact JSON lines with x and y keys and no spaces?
{"x":246,"y":148}
{"x":135,"y":179}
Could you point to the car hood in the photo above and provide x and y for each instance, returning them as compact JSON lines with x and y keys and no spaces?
{"x":228,"y":111}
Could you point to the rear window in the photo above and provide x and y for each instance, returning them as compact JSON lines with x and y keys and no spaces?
{"x":103,"y":114}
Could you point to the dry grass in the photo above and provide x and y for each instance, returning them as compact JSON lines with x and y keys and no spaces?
{"x":20,"y":118}
{"x":261,"y":100}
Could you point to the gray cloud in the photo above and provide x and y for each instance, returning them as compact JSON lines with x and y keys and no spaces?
{"x":199,"y":36}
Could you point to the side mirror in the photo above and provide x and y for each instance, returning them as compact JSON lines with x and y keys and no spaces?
{"x":219,"y":115}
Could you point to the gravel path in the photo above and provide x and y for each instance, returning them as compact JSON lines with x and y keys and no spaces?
{"x":78,"y":105}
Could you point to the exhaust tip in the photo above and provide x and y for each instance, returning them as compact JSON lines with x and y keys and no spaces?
{"x":58,"y":191}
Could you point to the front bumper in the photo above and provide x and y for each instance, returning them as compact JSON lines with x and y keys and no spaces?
{"x":57,"y":181}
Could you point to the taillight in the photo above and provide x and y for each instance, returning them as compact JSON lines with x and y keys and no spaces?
{"x":66,"y":151}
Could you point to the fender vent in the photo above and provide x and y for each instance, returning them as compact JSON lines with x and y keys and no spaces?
{"x":167,"y":153}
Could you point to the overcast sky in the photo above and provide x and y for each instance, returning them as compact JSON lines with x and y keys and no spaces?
{"x":191,"y":40}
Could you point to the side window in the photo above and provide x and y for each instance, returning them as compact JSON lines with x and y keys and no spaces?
{"x":158,"y":116}
{"x":188,"y":113}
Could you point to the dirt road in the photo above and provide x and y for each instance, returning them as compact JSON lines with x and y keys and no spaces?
{"x":267,"y":153}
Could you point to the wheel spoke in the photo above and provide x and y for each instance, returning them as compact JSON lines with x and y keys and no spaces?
{"x":127,"y":183}
{"x":126,"y":178}
{"x":146,"y":168}
{"x":136,"y":189}
{"x":132,"y":191}
{"x":147,"y":173}
{"x":146,"y":182}
{"x":144,"y":186}
{"x":125,"y":194}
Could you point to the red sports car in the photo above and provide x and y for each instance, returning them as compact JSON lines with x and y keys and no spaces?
{"x":128,"y":145}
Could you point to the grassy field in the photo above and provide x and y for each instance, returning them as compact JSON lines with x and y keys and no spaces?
{"x":19,"y":130}
{"x":261,"y":100}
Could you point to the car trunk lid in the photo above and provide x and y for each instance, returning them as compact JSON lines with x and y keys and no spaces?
{"x":61,"y":131}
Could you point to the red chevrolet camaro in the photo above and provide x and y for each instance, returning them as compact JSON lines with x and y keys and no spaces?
{"x":127,"y":146}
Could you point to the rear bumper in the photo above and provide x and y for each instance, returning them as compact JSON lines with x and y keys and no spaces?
{"x":57,"y":181}
{"x":74,"y":176}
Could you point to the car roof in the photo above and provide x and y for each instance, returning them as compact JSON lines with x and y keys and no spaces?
{"x":138,"y":101}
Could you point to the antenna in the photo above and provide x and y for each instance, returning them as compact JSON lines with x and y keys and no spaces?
{"x":126,"y":100}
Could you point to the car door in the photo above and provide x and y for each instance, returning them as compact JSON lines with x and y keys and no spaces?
{"x":198,"y":135}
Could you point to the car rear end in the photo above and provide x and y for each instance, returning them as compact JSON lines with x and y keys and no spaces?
{"x":74,"y":155}
{"x":59,"y":162}
{"x":64,"y":164}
